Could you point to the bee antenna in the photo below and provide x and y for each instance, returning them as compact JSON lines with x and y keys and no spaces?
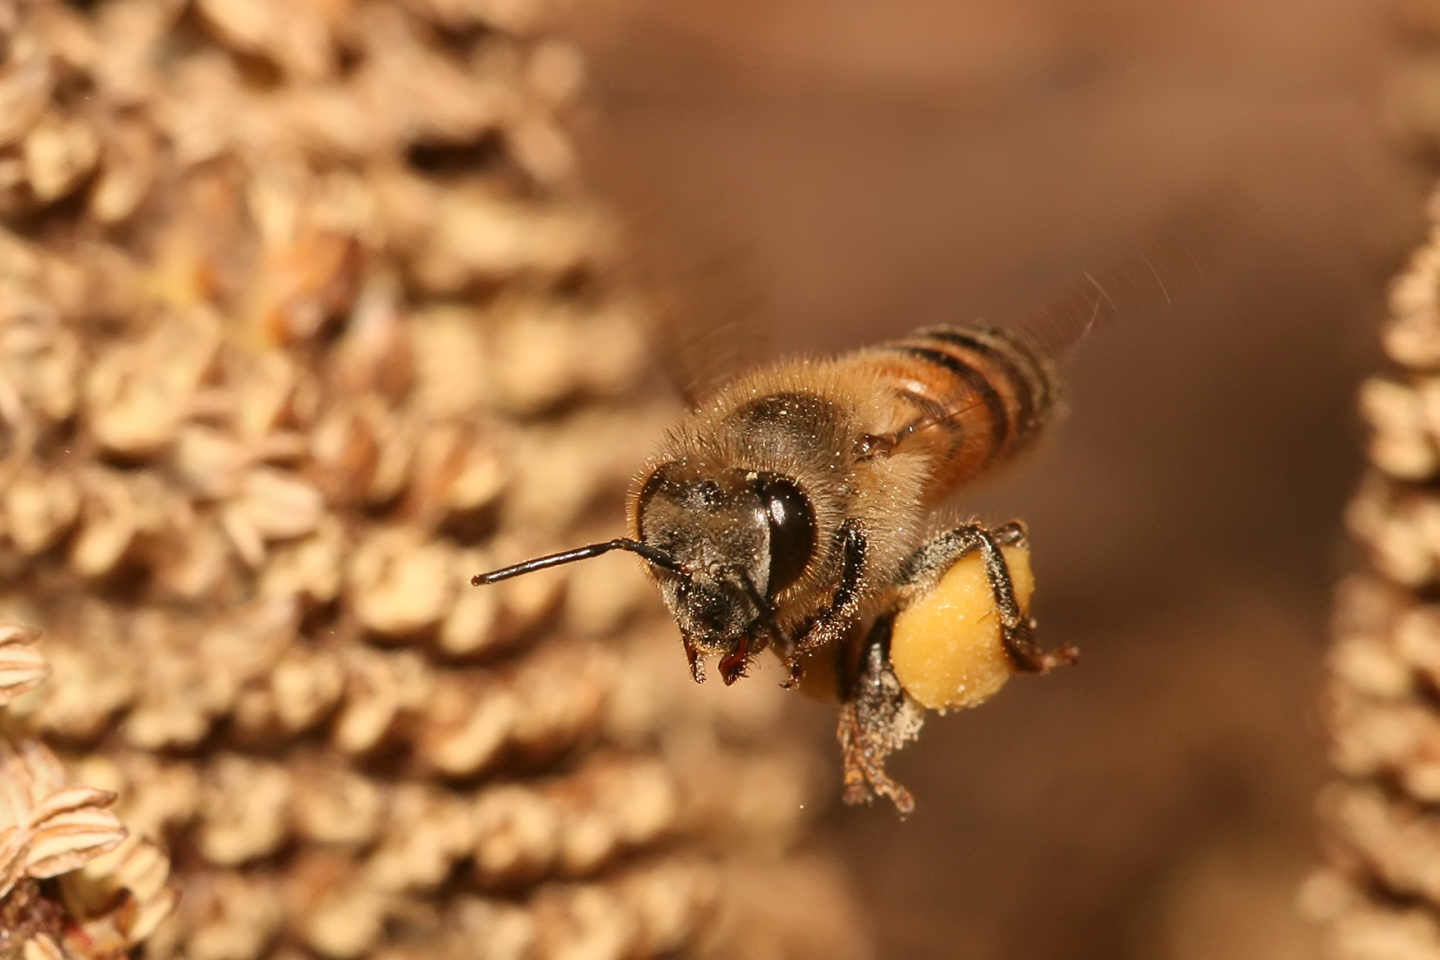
{"x":646,"y":552}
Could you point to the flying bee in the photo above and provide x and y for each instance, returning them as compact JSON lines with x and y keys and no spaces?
{"x":792,"y":510}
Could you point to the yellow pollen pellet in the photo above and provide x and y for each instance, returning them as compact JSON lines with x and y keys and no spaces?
{"x":946,"y":648}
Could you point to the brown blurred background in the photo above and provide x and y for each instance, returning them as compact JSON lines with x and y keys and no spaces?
{"x":865,"y":167}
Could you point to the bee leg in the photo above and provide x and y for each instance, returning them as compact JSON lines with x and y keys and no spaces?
{"x":876,"y":719}
{"x":1017,"y":630}
{"x":1020,"y":640}
{"x":830,"y":626}
{"x":692,"y":654}
{"x":797,"y":671}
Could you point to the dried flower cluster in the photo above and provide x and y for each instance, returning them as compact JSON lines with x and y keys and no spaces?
{"x":1380,"y":896}
{"x":111,"y":891}
{"x":302,"y":323}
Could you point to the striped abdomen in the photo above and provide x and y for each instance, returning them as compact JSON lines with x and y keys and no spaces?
{"x":973,"y":396}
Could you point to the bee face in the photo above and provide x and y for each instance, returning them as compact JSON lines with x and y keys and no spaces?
{"x":738,"y":538}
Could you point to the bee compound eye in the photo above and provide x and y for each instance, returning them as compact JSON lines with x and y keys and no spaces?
{"x":792,"y":529}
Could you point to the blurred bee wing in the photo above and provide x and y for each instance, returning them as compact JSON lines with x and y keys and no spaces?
{"x":1178,"y":257}
{"x":704,"y":296}
{"x":707,"y":296}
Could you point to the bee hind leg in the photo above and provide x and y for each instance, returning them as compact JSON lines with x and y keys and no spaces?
{"x":1017,"y":629}
{"x":876,"y":719}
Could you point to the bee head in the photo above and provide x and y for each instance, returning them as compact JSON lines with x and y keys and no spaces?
{"x":722,"y":545}
{"x":737,"y":538}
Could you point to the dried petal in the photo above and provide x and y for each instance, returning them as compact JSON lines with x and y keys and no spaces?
{"x":66,"y":841}
{"x":310,"y":568}
{"x":39,"y":509}
{"x":245,"y":809}
{"x":129,"y":158}
{"x":138,"y":394}
{"x":70,"y":799}
{"x":42,"y":947}
{"x":278,"y":504}
{"x":400,"y":581}
{"x":467,"y":725}
{"x":137,"y":866}
{"x":14,"y":840}
{"x":337,"y":806}
{"x":307,"y":684}
{"x":24,"y":87}
{"x":59,"y":153}
{"x":381,"y":690}
{"x":22,"y":667}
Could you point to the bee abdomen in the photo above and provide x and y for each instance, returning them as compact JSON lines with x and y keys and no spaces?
{"x":980,"y":395}
{"x":1024,"y":381}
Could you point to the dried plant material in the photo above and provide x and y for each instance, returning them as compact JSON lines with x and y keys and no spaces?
{"x":450,"y":351}
{"x":245,"y":809}
{"x":382,"y":691}
{"x":477,"y":239}
{"x":39,"y":510}
{"x":1380,"y":897}
{"x":429,"y":830}
{"x":518,"y":835}
{"x":155,"y":797}
{"x":40,"y":359}
{"x":291,"y":346}
{"x":25,"y":86}
{"x":545,"y":354}
{"x":311,"y":568}
{"x":400,"y":582}
{"x":1400,"y":526}
{"x":271,"y":505}
{"x":309,"y":281}
{"x":138,"y":872}
{"x":471,"y":625}
{"x":22,"y":667}
{"x":137,"y":395}
{"x":468,"y":723}
{"x":48,"y":827}
{"x":573,"y":827}
{"x":1400,"y":443}
{"x":307,"y":685}
{"x":373,"y":356}
{"x":58,"y":153}
{"x":338,"y":806}
{"x":454,"y":474}
{"x":295,"y":36}
{"x":361,"y":454}
{"x":347,"y":921}
{"x":195,"y":561}
{"x":128,"y":169}
{"x":231,"y":916}
{"x":171,"y":707}
{"x":1412,"y":336}
{"x":93,"y":680}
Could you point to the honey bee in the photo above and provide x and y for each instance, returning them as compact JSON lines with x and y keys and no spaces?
{"x":792,"y":510}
